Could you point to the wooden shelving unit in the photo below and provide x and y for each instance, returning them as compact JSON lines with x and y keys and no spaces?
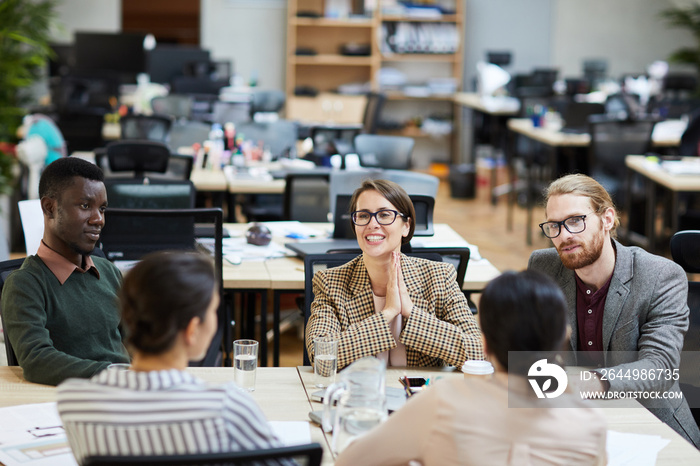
{"x":442,"y":64}
{"x":327,"y":69}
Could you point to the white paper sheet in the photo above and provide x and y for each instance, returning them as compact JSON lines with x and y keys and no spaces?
{"x":32,"y":435}
{"x":292,"y":432}
{"x":625,"y":449}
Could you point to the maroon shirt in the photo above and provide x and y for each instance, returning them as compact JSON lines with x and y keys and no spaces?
{"x":590,"y":306}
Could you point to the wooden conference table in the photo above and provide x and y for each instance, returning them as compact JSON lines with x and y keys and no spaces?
{"x":557,"y":141}
{"x":286,"y":274}
{"x":283,"y":395}
{"x":654,"y":175}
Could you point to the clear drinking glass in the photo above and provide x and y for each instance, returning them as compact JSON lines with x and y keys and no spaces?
{"x":245,"y":363}
{"x":325,"y":360}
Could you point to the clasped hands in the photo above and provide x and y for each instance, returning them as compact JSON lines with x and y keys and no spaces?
{"x":397,"y":299}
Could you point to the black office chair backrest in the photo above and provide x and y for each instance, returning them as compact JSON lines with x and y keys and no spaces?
{"x":373,"y":112}
{"x":312,"y":264}
{"x":133,"y":193}
{"x":613,"y":139}
{"x":129,"y":234}
{"x":149,"y":127}
{"x":306,"y":197}
{"x":138,"y":156}
{"x":6,"y":268}
{"x":690,"y":140}
{"x":304,"y":455}
{"x":384,"y":151}
{"x":266,"y":101}
{"x":178,"y":106}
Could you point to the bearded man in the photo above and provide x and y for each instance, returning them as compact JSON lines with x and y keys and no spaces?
{"x":628,"y":309}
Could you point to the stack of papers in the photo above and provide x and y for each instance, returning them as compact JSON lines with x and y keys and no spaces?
{"x":682,"y":167}
{"x":33,"y":435}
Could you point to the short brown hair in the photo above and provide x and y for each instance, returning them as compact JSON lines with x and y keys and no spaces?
{"x":583,"y":185}
{"x":393,"y":193}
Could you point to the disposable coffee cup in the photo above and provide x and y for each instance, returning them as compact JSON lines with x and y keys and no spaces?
{"x":476,"y":368}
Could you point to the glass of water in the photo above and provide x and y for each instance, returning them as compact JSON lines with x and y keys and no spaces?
{"x":325,"y":360}
{"x":245,"y":362}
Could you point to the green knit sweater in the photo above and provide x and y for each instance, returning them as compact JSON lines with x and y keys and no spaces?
{"x":61,"y":331}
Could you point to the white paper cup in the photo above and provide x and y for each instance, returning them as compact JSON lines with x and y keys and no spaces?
{"x":477,"y":368}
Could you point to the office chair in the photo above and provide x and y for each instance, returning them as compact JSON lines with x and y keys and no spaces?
{"x":340,"y":139}
{"x":691,"y":137}
{"x":177,"y":106}
{"x":312,"y":264}
{"x":141,"y":156}
{"x":280,"y":137}
{"x":384,"y":151}
{"x":345,"y":182}
{"x":413,"y":182}
{"x":685,"y":250}
{"x":266,"y":101}
{"x":306,"y":197}
{"x":148,"y":127}
{"x":6,"y":268}
{"x":133,"y":193}
{"x":303,"y":455}
{"x":132,"y":233}
{"x":612,"y":140}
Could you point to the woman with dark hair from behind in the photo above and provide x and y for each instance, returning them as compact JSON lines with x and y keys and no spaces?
{"x":169,"y":305}
{"x":473,"y":421}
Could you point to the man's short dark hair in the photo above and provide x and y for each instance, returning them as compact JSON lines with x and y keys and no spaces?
{"x":58,"y":175}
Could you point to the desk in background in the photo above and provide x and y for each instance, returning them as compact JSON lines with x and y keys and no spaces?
{"x":654,"y":177}
{"x":494,"y":114}
{"x":557,"y":141}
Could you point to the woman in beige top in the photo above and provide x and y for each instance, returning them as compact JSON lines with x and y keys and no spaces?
{"x":473,"y":421}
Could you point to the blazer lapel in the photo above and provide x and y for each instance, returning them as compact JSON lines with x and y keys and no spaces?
{"x":567,"y":282}
{"x":617,"y":293}
{"x":361,"y":304}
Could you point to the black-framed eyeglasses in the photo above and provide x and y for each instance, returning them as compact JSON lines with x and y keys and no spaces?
{"x":574,"y":224}
{"x":384,"y":217}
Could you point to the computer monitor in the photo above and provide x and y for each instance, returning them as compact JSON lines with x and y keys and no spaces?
{"x":166,"y":62}
{"x":63,"y":60}
{"x":120,"y":53}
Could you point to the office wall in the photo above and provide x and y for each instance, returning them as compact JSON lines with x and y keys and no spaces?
{"x":628,"y":33}
{"x":87,"y":15}
{"x":521,"y":27}
{"x":251,"y":33}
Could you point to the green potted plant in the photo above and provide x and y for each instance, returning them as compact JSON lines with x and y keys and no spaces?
{"x":685,"y":17}
{"x":25,"y":27}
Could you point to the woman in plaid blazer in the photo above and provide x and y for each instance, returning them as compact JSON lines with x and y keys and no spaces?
{"x":404,"y":310}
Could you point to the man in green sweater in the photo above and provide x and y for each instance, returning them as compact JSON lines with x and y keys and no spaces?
{"x":60,"y":308}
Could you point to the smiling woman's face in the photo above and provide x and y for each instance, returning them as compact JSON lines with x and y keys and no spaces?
{"x":374,"y":239}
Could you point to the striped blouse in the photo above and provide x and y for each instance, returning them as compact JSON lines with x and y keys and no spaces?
{"x":159,"y":413}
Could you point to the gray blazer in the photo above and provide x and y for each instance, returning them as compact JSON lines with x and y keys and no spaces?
{"x":646,"y":310}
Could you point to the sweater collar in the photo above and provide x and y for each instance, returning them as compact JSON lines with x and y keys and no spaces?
{"x":61,"y":267}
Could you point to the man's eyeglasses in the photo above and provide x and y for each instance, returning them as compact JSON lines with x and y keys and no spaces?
{"x":384,"y":217}
{"x":575,"y":224}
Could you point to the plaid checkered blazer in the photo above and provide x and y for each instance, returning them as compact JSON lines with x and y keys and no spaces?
{"x":440,"y":331}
